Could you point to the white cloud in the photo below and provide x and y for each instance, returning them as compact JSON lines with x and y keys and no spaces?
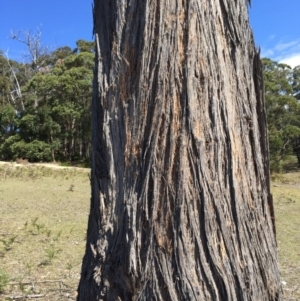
{"x":286,"y":46}
{"x":287,"y":52}
{"x":293,"y":60}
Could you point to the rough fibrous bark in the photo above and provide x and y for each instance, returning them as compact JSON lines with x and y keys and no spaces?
{"x":181,"y":206}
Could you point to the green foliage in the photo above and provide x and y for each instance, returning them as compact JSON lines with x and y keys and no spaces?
{"x":8,"y":242}
{"x":58,"y":55}
{"x":56,"y":120}
{"x":35,"y":151}
{"x":8,"y":121}
{"x":296,"y":82}
{"x":63,"y":98}
{"x":283,"y":111}
{"x":4,"y":87}
{"x":6,"y":152}
{"x":51,"y":254}
{"x":84,"y":46}
{"x":3,"y":281}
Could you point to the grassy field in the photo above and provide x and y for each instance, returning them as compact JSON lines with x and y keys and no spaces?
{"x":43,"y":220}
{"x":42,"y":230}
{"x":286,"y":194}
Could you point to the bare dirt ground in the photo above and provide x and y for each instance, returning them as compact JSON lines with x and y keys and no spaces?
{"x":50,"y":165}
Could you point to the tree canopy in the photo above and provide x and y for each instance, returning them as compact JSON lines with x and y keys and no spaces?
{"x":282,"y":94}
{"x":48,"y":119}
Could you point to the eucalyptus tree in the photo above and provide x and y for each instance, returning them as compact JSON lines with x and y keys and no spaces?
{"x":283,"y":111}
{"x":56,"y":120}
{"x":36,"y":51}
{"x":11,"y":102}
{"x":5,"y":83}
{"x":296,"y":93}
{"x":181,"y":207}
{"x":11,"y":79}
{"x":59,"y":99}
{"x":296,"y":82}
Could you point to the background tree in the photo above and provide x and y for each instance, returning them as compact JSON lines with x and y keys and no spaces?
{"x":56,"y":117}
{"x":296,"y":82}
{"x":11,"y":101}
{"x":11,"y":80}
{"x":283,"y":111}
{"x":5,"y":83}
{"x":37,"y":52}
{"x":296,"y":91}
{"x":181,"y":206}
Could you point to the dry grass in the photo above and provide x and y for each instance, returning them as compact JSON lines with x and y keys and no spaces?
{"x":43,"y":222}
{"x":286,"y":193}
{"x":42,"y":229}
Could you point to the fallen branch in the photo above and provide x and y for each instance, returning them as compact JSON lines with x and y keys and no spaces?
{"x":31,"y":282}
{"x":24,"y":297}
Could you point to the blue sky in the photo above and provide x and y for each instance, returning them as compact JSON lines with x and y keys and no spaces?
{"x":276,"y":25}
{"x":61,"y":22}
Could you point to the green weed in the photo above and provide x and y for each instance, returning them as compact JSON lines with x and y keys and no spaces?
{"x":39,"y":227}
{"x":8,"y":242}
{"x":33,"y":221}
{"x":56,"y":238}
{"x":3,"y":280}
{"x":51,"y":253}
{"x":48,"y":232}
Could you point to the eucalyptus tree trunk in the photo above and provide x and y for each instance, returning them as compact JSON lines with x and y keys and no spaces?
{"x":181,"y":206}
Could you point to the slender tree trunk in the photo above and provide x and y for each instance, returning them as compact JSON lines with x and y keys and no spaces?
{"x":181,"y":206}
{"x":52,"y":150}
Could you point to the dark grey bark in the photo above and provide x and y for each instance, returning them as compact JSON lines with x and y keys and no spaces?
{"x":181,"y":206}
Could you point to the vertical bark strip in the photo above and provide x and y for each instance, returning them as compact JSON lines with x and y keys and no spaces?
{"x":181,"y":206}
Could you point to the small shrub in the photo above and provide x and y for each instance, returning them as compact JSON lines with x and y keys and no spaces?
{"x":34,"y":151}
{"x":6,"y":152}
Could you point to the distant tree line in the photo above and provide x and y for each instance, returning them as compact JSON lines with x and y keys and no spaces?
{"x":282,"y":96}
{"x":45,"y":106}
